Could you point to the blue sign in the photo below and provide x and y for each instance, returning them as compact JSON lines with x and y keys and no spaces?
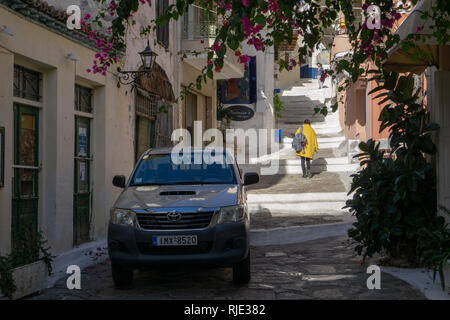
{"x":82,"y":142}
{"x":241,"y":90}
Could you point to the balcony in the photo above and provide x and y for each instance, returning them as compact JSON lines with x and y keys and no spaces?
{"x":200,"y":27}
{"x":199,"y":30}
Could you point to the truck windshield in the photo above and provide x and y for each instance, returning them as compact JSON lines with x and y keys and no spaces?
{"x":159,"y":169}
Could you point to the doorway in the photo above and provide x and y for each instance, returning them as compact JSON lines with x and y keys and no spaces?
{"x":82,"y":185}
{"x":26,"y":171}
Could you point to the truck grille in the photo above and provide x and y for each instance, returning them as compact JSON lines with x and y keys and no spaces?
{"x":148,"y":248}
{"x":189,"y":220}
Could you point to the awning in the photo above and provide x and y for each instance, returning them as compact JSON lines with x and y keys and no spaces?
{"x":231,"y":68}
{"x":341,"y":55}
{"x":157,"y":83}
{"x":403,"y":61}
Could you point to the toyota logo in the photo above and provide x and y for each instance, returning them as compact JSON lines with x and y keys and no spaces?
{"x":174,"y":216}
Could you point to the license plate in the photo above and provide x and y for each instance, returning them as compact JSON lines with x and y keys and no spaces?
{"x":188,"y":240}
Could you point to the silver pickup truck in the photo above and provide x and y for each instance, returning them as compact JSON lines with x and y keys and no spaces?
{"x":180,"y":209}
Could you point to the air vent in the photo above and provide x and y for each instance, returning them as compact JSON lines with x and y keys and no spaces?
{"x":177,"y":193}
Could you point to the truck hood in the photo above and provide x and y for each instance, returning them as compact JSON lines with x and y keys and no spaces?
{"x":169,"y":196}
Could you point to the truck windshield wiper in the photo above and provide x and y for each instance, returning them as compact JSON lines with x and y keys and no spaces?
{"x":148,"y":184}
{"x":195,"y":182}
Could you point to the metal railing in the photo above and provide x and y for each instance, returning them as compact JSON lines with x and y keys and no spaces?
{"x":200,"y":30}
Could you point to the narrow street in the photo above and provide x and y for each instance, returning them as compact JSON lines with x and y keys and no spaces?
{"x":119,"y":118}
{"x":285,"y":265}
{"x":321,"y":269}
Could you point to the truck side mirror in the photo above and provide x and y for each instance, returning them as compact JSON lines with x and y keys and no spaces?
{"x":251,"y":178}
{"x":119,"y":181}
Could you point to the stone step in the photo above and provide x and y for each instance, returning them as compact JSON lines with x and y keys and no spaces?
{"x":286,"y":132}
{"x":298,"y":203}
{"x":318,"y":161}
{"x":287,"y":140}
{"x":300,"y":119}
{"x":298,"y":107}
{"x":292,"y":116}
{"x":315,"y":125}
{"x":296,"y":169}
{"x":305,"y":101}
{"x":324,"y":145}
{"x":297,"y":162}
{"x":298,"y":197}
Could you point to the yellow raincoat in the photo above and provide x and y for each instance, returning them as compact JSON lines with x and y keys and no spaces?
{"x":311,"y":142}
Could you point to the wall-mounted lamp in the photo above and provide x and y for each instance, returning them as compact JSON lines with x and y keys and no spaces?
{"x":7,"y":30}
{"x":72,"y":57}
{"x":148,"y":58}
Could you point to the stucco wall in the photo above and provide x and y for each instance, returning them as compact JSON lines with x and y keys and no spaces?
{"x":38,"y":48}
{"x":352,"y":111}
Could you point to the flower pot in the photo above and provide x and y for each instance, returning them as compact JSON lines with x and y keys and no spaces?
{"x":29,"y":279}
{"x":447,"y":275}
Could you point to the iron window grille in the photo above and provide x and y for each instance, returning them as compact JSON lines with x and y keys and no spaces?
{"x":83,"y":99}
{"x":27,"y":83}
{"x":146,"y":105}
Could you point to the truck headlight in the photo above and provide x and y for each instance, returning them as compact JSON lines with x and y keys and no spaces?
{"x":122,"y":217}
{"x":231,"y":214}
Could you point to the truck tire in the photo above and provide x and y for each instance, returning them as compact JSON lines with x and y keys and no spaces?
{"x":122,"y":277}
{"x":241,"y":271}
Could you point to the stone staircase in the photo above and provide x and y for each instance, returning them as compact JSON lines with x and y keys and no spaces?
{"x":286,"y":193}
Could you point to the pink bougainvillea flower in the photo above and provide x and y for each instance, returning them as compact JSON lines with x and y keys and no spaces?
{"x":215,"y":46}
{"x":217,"y":69}
{"x":244,"y":59}
{"x":245,"y":3}
{"x":419,"y":29}
{"x":87,"y":16}
{"x":237,"y":53}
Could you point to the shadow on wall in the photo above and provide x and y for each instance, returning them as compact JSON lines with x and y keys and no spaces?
{"x":355,"y":112}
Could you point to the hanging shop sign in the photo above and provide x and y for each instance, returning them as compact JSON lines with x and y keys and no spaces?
{"x":239,"y":113}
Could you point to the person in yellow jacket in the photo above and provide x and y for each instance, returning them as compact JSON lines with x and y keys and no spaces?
{"x":307,"y":154}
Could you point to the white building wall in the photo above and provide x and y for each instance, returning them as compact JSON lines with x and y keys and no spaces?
{"x":111,"y":133}
{"x":264,"y":117}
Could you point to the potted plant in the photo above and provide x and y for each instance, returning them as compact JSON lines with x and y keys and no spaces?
{"x":26,"y":269}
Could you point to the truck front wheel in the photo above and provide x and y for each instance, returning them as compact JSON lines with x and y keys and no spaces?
{"x":241,"y":271}
{"x":122,"y":277}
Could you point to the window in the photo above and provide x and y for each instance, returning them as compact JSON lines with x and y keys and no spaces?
{"x":146,"y":105}
{"x":83,"y":99}
{"x":162,"y":31}
{"x":181,"y":169}
{"x":27,"y":83}
{"x":145,"y":122}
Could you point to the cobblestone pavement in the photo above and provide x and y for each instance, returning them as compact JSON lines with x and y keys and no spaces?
{"x":294,"y":183}
{"x":323,"y":153}
{"x":264,"y":219}
{"x":319,"y":269}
